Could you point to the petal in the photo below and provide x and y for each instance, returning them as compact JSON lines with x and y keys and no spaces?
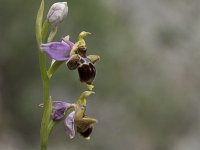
{"x":66,"y":41}
{"x":69,"y":125}
{"x":57,"y":50}
{"x":58,"y":109}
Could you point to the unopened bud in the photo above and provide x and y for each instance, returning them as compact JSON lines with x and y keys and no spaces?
{"x":57,"y":12}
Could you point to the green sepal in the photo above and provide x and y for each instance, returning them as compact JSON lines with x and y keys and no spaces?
{"x":38,"y":24}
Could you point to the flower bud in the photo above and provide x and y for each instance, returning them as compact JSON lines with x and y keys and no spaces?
{"x":57,"y":12}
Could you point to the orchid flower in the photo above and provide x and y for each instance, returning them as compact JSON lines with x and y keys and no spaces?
{"x":74,"y":55}
{"x":75,"y":120}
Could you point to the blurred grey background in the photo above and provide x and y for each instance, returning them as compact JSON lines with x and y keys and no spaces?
{"x":148,"y":81}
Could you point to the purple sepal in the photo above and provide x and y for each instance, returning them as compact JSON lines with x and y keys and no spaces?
{"x":59,"y":51}
{"x":58,"y":109}
{"x":69,"y":125}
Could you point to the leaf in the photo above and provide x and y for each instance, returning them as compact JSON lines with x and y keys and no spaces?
{"x":38,"y":24}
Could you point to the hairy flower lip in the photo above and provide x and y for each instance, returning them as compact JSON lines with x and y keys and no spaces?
{"x":87,"y":73}
{"x":86,"y":69}
{"x":85,"y":133}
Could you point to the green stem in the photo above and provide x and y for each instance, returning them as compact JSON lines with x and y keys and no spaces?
{"x":41,"y":30}
{"x":44,"y":129}
{"x":46,"y":101}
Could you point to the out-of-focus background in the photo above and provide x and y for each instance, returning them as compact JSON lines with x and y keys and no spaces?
{"x":147,"y":86}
